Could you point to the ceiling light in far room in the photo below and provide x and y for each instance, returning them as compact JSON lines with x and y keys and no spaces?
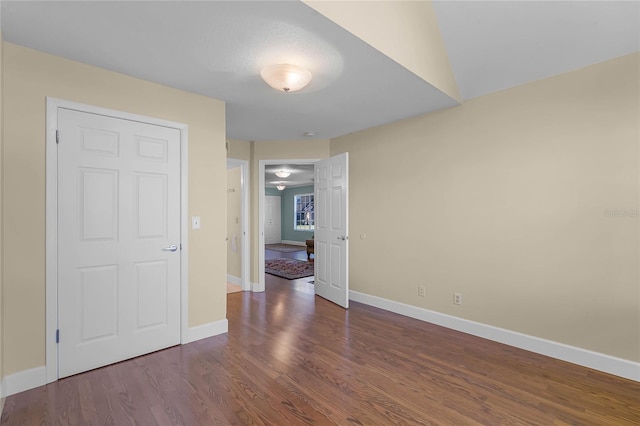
{"x":282,"y":174}
{"x":286,"y":77}
{"x":281,"y":187}
{"x":309,"y":133}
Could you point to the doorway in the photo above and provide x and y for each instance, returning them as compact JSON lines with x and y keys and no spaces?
{"x":331,"y":186}
{"x":238,"y":253}
{"x":293,"y":241}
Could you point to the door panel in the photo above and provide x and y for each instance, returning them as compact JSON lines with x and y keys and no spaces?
{"x":150,"y":195}
{"x":98,"y":202}
{"x":118,"y":207}
{"x":336,"y":209}
{"x":98,"y":302}
{"x":331,"y":230}
{"x":152,"y":289}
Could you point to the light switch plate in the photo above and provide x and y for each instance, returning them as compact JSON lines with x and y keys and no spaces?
{"x":195,"y":222}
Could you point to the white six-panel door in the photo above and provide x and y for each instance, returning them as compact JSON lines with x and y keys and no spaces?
{"x":332,"y":229}
{"x":118,"y":218}
{"x":272,"y":219}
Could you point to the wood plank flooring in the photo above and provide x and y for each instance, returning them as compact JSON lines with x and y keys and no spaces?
{"x":300,"y":254}
{"x":291,"y":358}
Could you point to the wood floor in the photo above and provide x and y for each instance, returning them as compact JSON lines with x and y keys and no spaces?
{"x":291,"y":358}
{"x":233,"y":288}
{"x":300,"y":254}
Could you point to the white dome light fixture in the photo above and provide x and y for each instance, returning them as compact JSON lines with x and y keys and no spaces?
{"x":282,"y":174}
{"x":286,"y":77}
{"x":281,"y":187}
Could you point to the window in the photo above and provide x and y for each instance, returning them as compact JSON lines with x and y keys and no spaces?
{"x":304,"y":214}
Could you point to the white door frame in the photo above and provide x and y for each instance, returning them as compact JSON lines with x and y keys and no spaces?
{"x":259,"y":286}
{"x":51,"y":237}
{"x":245,"y":253}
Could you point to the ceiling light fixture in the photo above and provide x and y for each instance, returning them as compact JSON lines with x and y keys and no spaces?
{"x":281,"y":187}
{"x":286,"y":77}
{"x":282,"y":174}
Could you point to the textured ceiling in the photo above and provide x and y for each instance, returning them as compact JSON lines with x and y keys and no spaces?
{"x":217,"y":49}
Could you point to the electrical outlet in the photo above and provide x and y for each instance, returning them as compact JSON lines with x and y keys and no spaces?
{"x":457,"y":298}
{"x":421,"y":290}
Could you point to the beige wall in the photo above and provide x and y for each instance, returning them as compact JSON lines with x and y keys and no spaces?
{"x":29,"y":77}
{"x":239,"y":150}
{"x":276,"y":150}
{"x":398,"y":29}
{"x":234,"y":225}
{"x":505,"y":199}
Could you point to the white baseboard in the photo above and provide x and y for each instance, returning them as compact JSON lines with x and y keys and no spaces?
{"x":256,"y":287}
{"x":24,"y":380}
{"x":586,"y":358}
{"x":234,"y":280}
{"x":206,"y":330}
{"x":34,"y":377}
{"x":295,"y":243}
{"x":3,"y":395}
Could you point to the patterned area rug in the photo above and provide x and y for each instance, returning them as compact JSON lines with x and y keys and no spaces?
{"x":290,"y":269}
{"x":284,"y":248}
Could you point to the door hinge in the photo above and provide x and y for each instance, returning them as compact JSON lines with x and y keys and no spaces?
{"x":180,"y":247}
{"x":57,"y":136}
{"x":58,"y":336}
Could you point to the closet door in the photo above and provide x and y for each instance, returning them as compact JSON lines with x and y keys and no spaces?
{"x":118,"y":239}
{"x":272,"y":220}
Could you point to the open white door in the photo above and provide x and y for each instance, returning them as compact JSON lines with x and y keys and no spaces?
{"x":332,"y":229}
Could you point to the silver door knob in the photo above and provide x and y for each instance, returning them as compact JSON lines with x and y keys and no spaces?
{"x":172,"y":247}
{"x":343,"y":238}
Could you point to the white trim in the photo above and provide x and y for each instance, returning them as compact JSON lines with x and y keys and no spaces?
{"x":34,"y":377}
{"x":51,"y":238}
{"x":245,"y":255}
{"x":184,"y":230}
{"x":51,"y":231}
{"x":206,"y":330}
{"x":234,"y":280}
{"x":24,"y":380}
{"x":295,"y":243}
{"x":586,"y":358}
{"x":259,"y":286}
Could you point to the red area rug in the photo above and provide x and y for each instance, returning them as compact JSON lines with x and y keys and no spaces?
{"x":290,"y":269}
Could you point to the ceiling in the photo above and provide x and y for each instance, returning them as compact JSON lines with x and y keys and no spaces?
{"x":217,"y":49}
{"x":301,"y":175}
